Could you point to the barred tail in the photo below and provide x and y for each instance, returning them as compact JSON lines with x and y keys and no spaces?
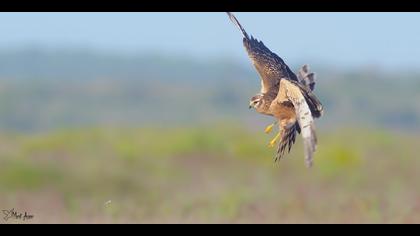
{"x":307,"y":78}
{"x":314,"y":104}
{"x":307,"y":84}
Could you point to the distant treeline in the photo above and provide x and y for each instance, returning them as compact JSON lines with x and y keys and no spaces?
{"x":43,"y":89}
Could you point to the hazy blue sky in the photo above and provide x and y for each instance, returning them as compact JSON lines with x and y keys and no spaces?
{"x":389,"y":40}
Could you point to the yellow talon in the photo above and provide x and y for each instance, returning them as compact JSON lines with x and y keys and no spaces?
{"x":268,"y":128}
{"x":274,"y":140}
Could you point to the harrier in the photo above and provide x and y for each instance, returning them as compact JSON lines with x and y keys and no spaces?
{"x":285,"y":96}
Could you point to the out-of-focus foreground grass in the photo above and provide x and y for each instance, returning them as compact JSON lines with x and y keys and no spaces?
{"x":210,"y":175}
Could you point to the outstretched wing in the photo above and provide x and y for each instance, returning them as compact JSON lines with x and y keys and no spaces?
{"x":270,"y":67}
{"x":290,"y":91}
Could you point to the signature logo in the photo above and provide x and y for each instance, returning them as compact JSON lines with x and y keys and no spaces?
{"x":8,"y":214}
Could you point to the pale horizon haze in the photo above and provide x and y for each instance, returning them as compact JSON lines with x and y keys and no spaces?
{"x":387,"y":40}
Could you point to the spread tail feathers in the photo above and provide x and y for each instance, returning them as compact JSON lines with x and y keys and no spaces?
{"x":314,"y":104}
{"x":307,"y":78}
{"x":236,"y":22}
{"x":307,"y":81}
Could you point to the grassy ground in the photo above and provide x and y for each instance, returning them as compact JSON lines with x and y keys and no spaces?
{"x":208,"y":175}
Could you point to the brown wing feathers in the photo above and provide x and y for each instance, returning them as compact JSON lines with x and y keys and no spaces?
{"x":273,"y":71}
{"x":270,"y":66}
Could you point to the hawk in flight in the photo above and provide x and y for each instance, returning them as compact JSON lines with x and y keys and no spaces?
{"x":288,"y":97}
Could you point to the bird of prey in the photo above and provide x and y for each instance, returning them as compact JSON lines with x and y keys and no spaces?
{"x":288,"y":97}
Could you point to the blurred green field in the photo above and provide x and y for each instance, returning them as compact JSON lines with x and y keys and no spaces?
{"x":99,"y":133}
{"x":220,"y":173}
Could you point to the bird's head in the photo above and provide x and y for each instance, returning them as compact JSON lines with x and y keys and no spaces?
{"x":256,"y":101}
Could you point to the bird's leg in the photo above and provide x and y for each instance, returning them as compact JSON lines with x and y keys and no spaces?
{"x":274,"y":140}
{"x":270,"y":127}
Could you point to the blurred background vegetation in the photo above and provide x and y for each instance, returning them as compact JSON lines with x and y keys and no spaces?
{"x":91,"y":136}
{"x":165,"y":145}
